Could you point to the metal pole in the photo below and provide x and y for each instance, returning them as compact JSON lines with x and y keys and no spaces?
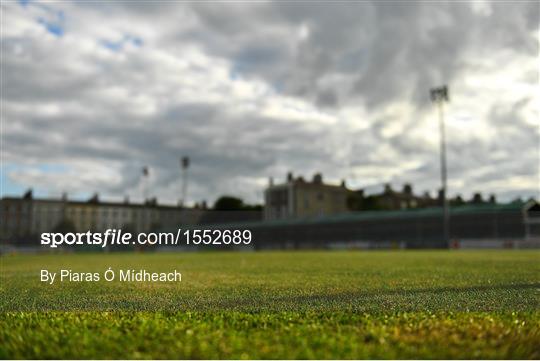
{"x":145,"y":173}
{"x":184,"y":163}
{"x":184,"y":185}
{"x":446,"y":215}
{"x":144,"y":190}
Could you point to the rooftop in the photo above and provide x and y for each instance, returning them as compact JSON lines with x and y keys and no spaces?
{"x":367,"y":215}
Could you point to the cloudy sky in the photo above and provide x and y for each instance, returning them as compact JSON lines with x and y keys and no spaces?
{"x":93,"y":91}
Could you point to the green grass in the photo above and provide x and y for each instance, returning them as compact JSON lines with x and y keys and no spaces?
{"x":421,"y":304}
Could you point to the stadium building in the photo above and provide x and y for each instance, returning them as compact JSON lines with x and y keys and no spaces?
{"x":298,"y":198}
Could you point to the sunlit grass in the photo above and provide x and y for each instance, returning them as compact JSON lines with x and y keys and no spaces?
{"x":425,"y":304}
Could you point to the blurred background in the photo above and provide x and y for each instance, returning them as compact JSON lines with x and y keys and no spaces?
{"x":320,"y":125}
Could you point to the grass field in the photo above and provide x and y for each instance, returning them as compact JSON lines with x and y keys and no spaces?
{"x":402,"y":304}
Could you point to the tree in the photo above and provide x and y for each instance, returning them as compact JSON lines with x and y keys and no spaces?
{"x":229,"y":203}
{"x":458,"y":201}
{"x":477,"y":198}
{"x":65,"y":226}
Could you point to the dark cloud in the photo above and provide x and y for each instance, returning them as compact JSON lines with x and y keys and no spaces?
{"x":252,"y":90}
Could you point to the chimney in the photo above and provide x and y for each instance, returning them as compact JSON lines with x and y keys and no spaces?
{"x":343,"y":184}
{"x":387,"y":188}
{"x":126,"y":200}
{"x":151,"y":201}
{"x":94,"y":198}
{"x":289,"y":177}
{"x":28,"y":194}
{"x":270,"y":182}
{"x":317,"y":178}
{"x":64,"y":196}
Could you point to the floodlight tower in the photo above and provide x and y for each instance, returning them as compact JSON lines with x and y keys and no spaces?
{"x":146,"y":175}
{"x":184,"y":164}
{"x":440,"y":96}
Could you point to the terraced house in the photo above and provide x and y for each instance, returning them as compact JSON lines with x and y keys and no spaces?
{"x":23,"y":219}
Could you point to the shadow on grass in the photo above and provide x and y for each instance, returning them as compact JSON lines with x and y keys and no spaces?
{"x":437,"y":298}
{"x":496,"y":297}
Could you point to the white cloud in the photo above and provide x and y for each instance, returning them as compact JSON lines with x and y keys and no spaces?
{"x":254,"y":90}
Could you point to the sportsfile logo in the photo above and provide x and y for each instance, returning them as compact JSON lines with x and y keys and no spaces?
{"x":118,"y":237}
